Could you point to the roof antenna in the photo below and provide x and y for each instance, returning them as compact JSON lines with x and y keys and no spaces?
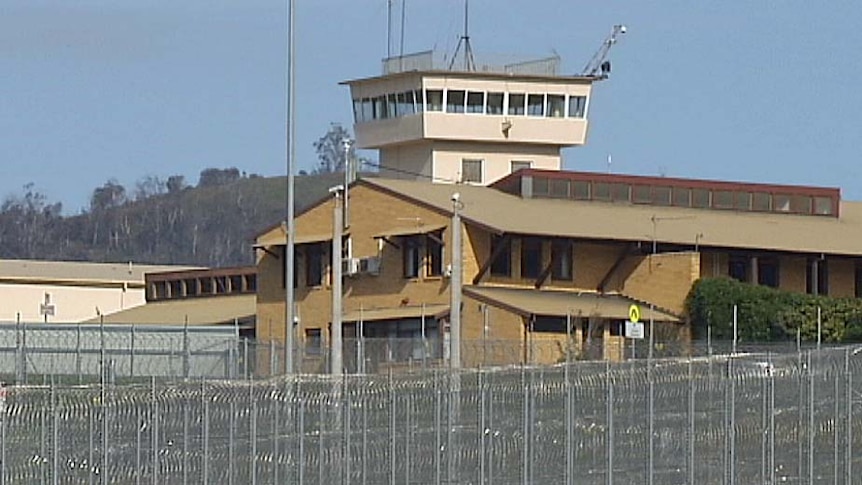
{"x":469,"y":64}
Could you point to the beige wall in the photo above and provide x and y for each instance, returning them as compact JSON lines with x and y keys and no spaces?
{"x":496,"y":159}
{"x":412,"y":161}
{"x":71,"y":303}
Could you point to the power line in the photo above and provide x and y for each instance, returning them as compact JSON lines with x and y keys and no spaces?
{"x":408,"y":172}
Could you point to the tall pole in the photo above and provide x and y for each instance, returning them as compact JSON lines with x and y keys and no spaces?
{"x":289,"y":262}
{"x":348,"y":178}
{"x":336,"y":345}
{"x":455,"y":286}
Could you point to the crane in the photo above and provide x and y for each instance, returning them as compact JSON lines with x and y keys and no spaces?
{"x":599,"y":65}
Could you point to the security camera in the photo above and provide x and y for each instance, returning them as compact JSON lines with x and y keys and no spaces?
{"x":623,"y":29}
{"x":456,"y":197}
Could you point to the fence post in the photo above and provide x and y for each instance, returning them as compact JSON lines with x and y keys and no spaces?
{"x":154,"y":420}
{"x":78,"y":352}
{"x":253,"y":433}
{"x":691,"y":422}
{"x":132,"y":352}
{"x":610,"y":412}
{"x":55,"y":454}
{"x":811,"y":430}
{"x":206,"y":432}
{"x":849,"y":426}
{"x":186,"y":350}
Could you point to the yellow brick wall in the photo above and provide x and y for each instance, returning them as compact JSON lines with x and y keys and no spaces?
{"x":791,"y":273}
{"x":842,"y":277}
{"x":664,"y":279}
{"x":504,"y":343}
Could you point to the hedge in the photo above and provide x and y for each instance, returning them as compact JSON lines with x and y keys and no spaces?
{"x":767,"y":314}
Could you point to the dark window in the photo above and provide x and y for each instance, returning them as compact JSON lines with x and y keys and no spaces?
{"x":700,"y":198}
{"x":531,"y":257}
{"x":581,"y":190}
{"x":392,"y":106}
{"x":434,"y":98}
{"x":601,"y":191}
{"x":541,"y":186}
{"x":767,"y":272}
{"x":556,"y":106}
{"x":434,"y":254}
{"x":192,"y":287}
{"x":641,"y":194}
{"x":737,"y":268}
{"x":314,"y":265}
{"x":251,"y":282}
{"x":502,"y":265}
{"x":681,"y":197}
{"x":160,"y":290}
{"x":494,"y":104}
{"x":661,"y":195}
{"x":742,"y":201}
{"x":821,"y":278}
{"x":561,"y":253}
{"x":516,"y":104}
{"x":418,"y":103}
{"x":761,"y":201}
{"x":176,"y":289}
{"x":560,"y":188}
{"x":455,"y":101}
{"x":577,"y":106}
{"x":823,"y":206}
{"x":207,"y":284}
{"x":313,"y":341}
{"x":412,"y":253}
{"x":722,"y":199}
{"x":536,"y":104}
{"x":549,"y":324}
{"x":221,"y":284}
{"x":471,"y":171}
{"x":800,"y":204}
{"x":475,"y":102}
{"x":858,"y":280}
{"x":236,"y":283}
{"x":620,"y":192}
{"x":781,"y":203}
{"x":380,"y":108}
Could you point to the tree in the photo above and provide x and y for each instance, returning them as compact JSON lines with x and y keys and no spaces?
{"x":112,"y":194}
{"x":330,"y":149}
{"x":211,"y":177}
{"x":149,"y":186}
{"x":175,"y":184}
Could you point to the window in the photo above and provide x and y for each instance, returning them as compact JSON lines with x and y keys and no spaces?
{"x":601,"y":191}
{"x":475,"y":102}
{"x":531,"y":257}
{"x":661,"y":195}
{"x":494,"y":104}
{"x":367,"y":109}
{"x":560,"y":188}
{"x":191,"y":287}
{"x":742,"y":201}
{"x":561,"y":255}
{"x":556,"y":106}
{"x":518,"y":165}
{"x":236,"y":284}
{"x":641,"y":194}
{"x":681,"y":197}
{"x":761,"y":201}
{"x":176,"y":288}
{"x":405,"y":103}
{"x":767,"y":272}
{"x":722,"y":199}
{"x":577,"y":106}
{"x":581,"y":190}
{"x":313,"y":341}
{"x":412,"y":253}
{"x":700,"y":198}
{"x":434,"y":98}
{"x":800,"y":204}
{"x":858,"y":280}
{"x":619,"y":192}
{"x":357,"y":110}
{"x":781,"y":203}
{"x":502,"y":264}
{"x":471,"y":171}
{"x":314,"y":265}
{"x":541,"y":186}
{"x":434,"y":254}
{"x":160,"y":290}
{"x":737,"y":268}
{"x":419,"y":104}
{"x":545,"y":324}
{"x":206,"y":283}
{"x":379,"y":108}
{"x":455,"y":101}
{"x":823,"y":206}
{"x":221,"y":284}
{"x":536,"y":104}
{"x":516,"y":104}
{"x":251,"y":282}
{"x":392,"y":102}
{"x":821,"y":278}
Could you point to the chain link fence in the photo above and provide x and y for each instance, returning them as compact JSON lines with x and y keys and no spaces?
{"x":753,"y":417}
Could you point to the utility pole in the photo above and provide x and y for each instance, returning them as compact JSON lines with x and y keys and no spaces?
{"x":348,"y":179}
{"x":455,"y":286}
{"x":289,"y":260}
{"x":336,"y":344}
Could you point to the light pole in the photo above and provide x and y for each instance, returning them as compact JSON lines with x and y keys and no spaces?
{"x":289,"y":260}
{"x":336,"y":344}
{"x":455,"y":286}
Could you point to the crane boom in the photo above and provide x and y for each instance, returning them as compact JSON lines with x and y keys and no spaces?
{"x":598,"y":64}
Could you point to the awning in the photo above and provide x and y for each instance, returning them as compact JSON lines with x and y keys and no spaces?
{"x":396,"y":313}
{"x":301,"y":239}
{"x":215,"y":310}
{"x":410,"y":230}
{"x":529,"y":302}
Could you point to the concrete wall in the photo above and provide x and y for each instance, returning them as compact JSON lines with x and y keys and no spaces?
{"x":71,"y":303}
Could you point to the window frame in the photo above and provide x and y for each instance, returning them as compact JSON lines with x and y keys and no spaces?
{"x":481,"y":163}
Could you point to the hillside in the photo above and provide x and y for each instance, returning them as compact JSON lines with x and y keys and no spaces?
{"x":207,"y":226}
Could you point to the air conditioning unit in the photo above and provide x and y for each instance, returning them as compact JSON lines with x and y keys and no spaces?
{"x":349,"y":266}
{"x":370,"y":265}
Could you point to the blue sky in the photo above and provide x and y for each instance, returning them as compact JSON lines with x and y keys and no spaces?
{"x":91,"y":90}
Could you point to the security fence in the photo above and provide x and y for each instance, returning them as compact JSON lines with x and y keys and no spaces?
{"x":750,"y":417}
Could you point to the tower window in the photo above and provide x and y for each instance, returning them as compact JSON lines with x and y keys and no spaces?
{"x":516,"y":104}
{"x":475,"y":102}
{"x":577,"y":106}
{"x":556,"y":106}
{"x":455,"y":101}
{"x":536,"y":104}
{"x":471,"y":171}
{"x":494,"y":104}
{"x":434,"y":98}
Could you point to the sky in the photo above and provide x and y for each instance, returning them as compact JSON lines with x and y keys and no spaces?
{"x":93,"y":90}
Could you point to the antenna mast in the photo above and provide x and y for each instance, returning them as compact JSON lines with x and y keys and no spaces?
{"x":599,"y":64}
{"x":469,"y":63}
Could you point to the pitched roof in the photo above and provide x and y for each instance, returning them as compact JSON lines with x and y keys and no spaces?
{"x":505,"y":213}
{"x":80,"y":273}
{"x":527,"y":302}
{"x":197,"y":311}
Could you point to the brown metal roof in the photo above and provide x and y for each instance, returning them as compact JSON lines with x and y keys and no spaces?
{"x":393,"y":313}
{"x":197,"y":311}
{"x":529,"y":302}
{"x":506,"y":213}
{"x":78,"y":273}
